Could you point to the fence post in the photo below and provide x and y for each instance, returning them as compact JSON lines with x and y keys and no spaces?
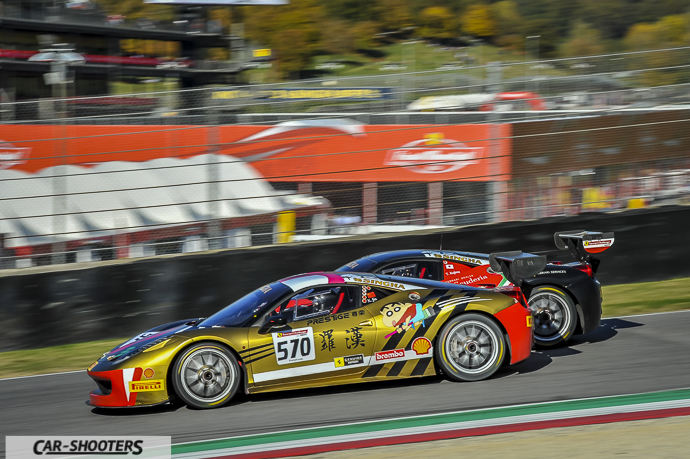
{"x":214,"y":229}
{"x":498,"y":188}
{"x":59,"y":179}
{"x":369,"y":207}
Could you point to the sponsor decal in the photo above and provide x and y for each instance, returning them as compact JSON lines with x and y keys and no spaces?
{"x":149,"y":373}
{"x":421,"y":346}
{"x":559,"y":271}
{"x":597,"y":245}
{"x":349,"y":360}
{"x":389,"y":355}
{"x":306,"y":94}
{"x":529,"y":321}
{"x":352,"y":265}
{"x":375,"y":281}
{"x":294,"y":346}
{"x":434,"y":155}
{"x":147,"y":386}
{"x":11,"y":156}
{"x":292,"y":333}
{"x":472,"y":279}
{"x":414,"y":296}
{"x":92,"y":365}
{"x":454,"y":256}
{"x":334,"y":317}
{"x":265,"y":289}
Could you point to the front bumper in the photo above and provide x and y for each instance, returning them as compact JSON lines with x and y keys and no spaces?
{"x":129,"y":387}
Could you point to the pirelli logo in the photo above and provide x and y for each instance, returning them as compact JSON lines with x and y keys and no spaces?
{"x":147,"y":386}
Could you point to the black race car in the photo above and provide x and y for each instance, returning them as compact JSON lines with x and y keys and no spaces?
{"x":565,"y":298}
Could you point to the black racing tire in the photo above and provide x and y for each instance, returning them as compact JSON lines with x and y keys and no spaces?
{"x":471,"y":347}
{"x":206,"y":375}
{"x":555,"y":316}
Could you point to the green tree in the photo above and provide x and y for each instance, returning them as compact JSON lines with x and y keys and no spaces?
{"x":507,"y":17}
{"x":674,"y":29}
{"x":338,"y":37}
{"x":392,"y":14}
{"x":478,"y":21}
{"x":293,"y":31}
{"x":646,"y":36}
{"x":509,"y":24}
{"x":583,"y":41}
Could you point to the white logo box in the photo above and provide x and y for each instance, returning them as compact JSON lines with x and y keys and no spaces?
{"x":106,"y":446}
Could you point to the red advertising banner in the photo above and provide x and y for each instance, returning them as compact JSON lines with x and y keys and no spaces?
{"x":300,"y":151}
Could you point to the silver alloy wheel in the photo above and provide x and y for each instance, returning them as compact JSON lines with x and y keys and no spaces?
{"x":473,"y":347}
{"x":207,"y":375}
{"x":552,"y":316}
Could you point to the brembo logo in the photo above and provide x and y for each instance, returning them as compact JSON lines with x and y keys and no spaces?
{"x":11,"y":156}
{"x":388,"y":355}
{"x":433,"y":155}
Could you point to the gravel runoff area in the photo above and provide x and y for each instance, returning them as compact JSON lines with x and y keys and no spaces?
{"x":654,"y":438}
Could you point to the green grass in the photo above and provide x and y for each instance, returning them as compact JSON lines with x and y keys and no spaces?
{"x":619,"y":300}
{"x":646,"y":297}
{"x":53,"y":359}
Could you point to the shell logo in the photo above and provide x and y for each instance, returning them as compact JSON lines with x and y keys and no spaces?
{"x":149,"y":373}
{"x":421,"y":346}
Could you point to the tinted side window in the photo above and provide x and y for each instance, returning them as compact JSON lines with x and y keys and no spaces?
{"x":319,"y":301}
{"x":420,"y":269}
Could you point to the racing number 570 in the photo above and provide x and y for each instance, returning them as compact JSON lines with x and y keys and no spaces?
{"x":303,"y":345}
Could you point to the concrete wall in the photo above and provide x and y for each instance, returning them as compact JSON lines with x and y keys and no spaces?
{"x":48,"y":306}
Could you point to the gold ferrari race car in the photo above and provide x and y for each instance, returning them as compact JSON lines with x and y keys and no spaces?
{"x":323,"y":329}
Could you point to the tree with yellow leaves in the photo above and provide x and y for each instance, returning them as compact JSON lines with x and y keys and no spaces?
{"x":437,"y":22}
{"x":478,"y":21}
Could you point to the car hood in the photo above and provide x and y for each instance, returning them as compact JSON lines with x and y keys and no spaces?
{"x":149,"y":339}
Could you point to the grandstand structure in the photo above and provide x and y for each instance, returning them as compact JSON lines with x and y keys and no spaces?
{"x":26,"y":26}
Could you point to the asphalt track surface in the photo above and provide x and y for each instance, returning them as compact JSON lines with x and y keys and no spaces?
{"x":624,"y":356}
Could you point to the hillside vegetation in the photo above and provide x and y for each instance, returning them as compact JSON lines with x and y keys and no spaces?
{"x":306,"y":32}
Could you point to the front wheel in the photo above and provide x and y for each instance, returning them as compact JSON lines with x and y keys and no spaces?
{"x":472,"y":347}
{"x":555,"y":317}
{"x":206,"y":375}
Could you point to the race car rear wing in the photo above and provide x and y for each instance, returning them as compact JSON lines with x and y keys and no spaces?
{"x":582,"y":244}
{"x":516,"y":266}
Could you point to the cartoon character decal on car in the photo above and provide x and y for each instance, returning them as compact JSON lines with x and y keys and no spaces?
{"x":403,"y":316}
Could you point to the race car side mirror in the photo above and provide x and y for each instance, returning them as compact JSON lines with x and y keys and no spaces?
{"x":272,"y":322}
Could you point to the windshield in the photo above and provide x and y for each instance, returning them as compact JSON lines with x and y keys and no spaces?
{"x":239,"y":312}
{"x":363,"y":265}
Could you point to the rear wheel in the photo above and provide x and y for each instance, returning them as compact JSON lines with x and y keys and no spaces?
{"x":206,"y":375}
{"x":472,"y":347}
{"x":555,"y":317}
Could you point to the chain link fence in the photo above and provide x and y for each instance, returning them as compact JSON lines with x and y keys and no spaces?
{"x":154,"y":173}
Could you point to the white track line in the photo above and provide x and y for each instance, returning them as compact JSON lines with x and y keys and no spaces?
{"x":603,"y":318}
{"x":45,"y":374}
